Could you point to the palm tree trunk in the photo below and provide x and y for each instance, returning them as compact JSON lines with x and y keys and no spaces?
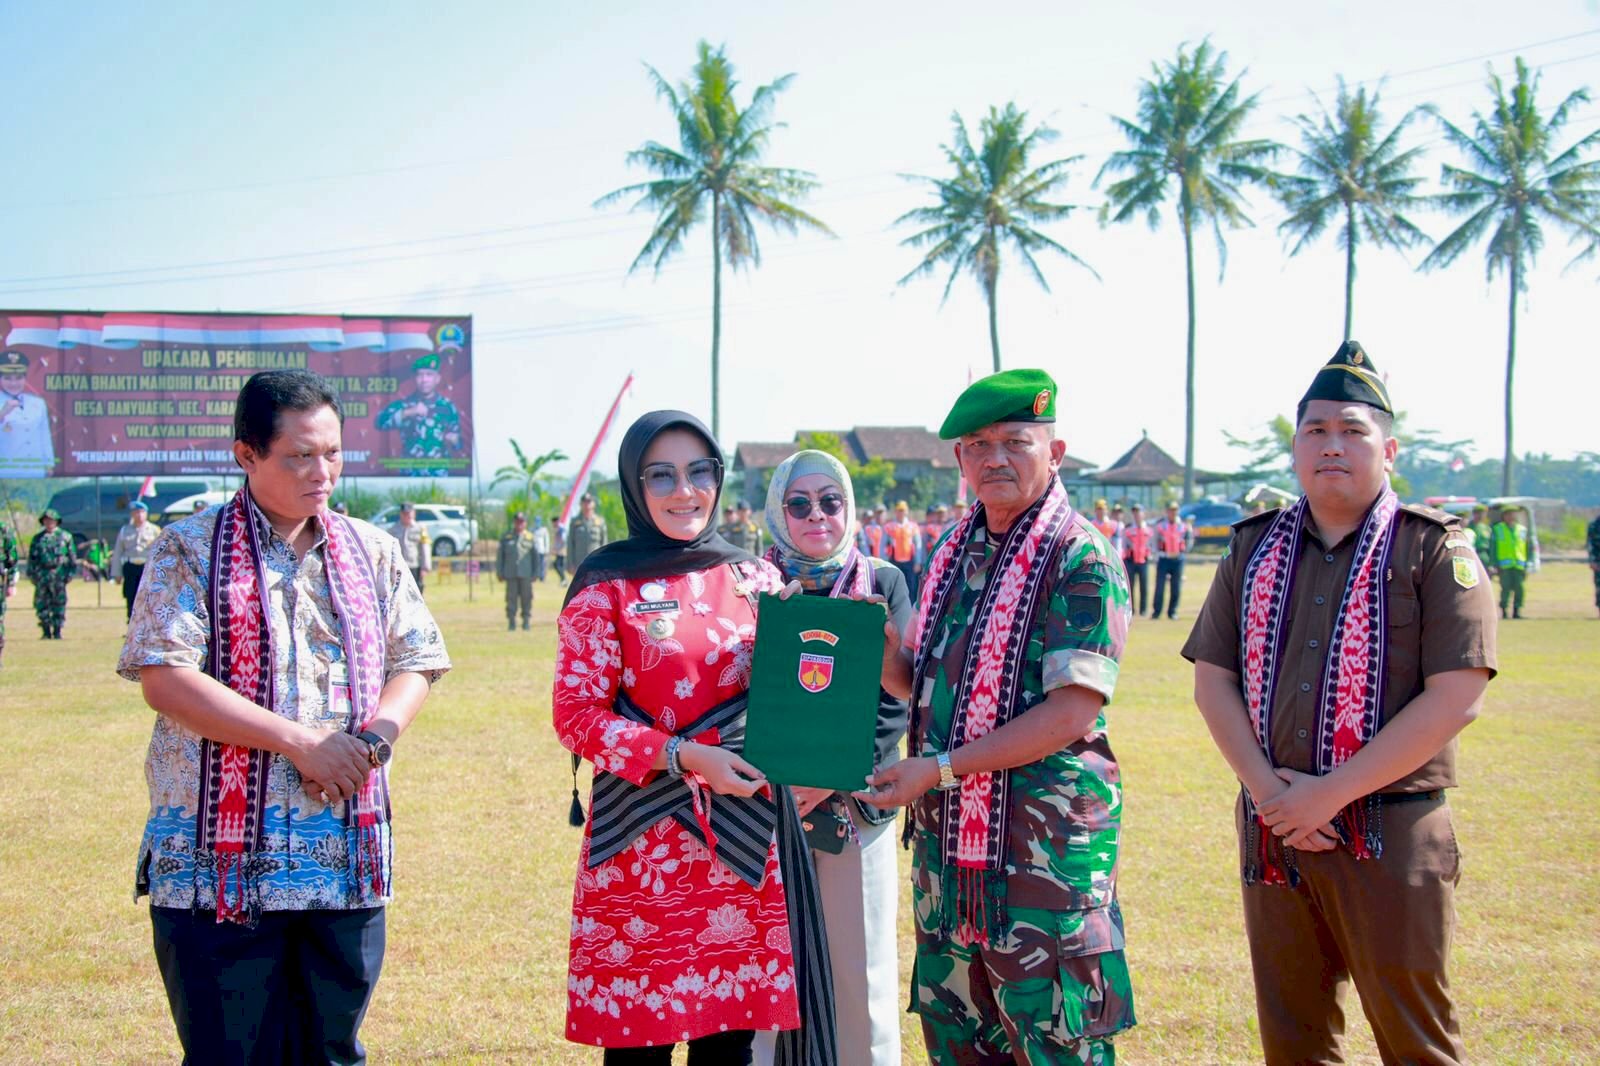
{"x":994,"y":325}
{"x":716,"y":313}
{"x":1349,"y":267}
{"x":1507,"y":482}
{"x":1188,"y":384}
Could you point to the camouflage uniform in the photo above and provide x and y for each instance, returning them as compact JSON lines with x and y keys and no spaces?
{"x":746,"y":535}
{"x":8,"y":575}
{"x":1055,"y":987}
{"x":51,"y":562}
{"x":435,"y":435}
{"x":1594,"y":557}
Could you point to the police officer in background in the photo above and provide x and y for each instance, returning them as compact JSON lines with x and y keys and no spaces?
{"x":132,"y":550}
{"x":413,"y":543}
{"x":516,"y":564}
{"x":1367,"y":632}
{"x":744,"y":533}
{"x":584,"y":533}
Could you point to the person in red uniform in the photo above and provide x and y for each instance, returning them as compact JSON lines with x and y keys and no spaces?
{"x":1137,"y":542}
{"x":673,"y":940}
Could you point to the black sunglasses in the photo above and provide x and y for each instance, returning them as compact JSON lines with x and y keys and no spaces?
{"x":661,"y":479}
{"x":800,"y":506}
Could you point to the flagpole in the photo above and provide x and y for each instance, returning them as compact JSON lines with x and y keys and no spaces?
{"x":582,"y":480}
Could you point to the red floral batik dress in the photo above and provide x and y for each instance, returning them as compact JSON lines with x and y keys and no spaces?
{"x":667,"y":944}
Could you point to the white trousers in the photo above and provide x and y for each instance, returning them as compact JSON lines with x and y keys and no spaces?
{"x":860,"y":890}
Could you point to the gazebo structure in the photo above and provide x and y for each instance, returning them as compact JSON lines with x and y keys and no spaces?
{"x":1141,"y":473}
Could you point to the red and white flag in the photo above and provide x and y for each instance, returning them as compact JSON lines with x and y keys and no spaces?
{"x":581,"y":483}
{"x":148,"y":488}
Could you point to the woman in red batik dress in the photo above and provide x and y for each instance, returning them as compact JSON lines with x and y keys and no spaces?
{"x":674,"y":940}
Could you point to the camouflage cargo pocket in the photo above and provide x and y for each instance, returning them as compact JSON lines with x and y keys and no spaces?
{"x":1096,"y":995}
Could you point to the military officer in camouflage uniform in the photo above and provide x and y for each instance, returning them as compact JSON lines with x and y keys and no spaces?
{"x":429,"y":424}
{"x":584,"y":533}
{"x":1594,"y":559}
{"x":51,"y":563}
{"x":515,"y":565}
{"x":1015,"y":795}
{"x":743,"y":532}
{"x":8,"y":576}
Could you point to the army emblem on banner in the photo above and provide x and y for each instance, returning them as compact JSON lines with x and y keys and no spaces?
{"x":816,"y":671}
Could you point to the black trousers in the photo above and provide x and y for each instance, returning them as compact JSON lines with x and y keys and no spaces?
{"x":292,"y":990}
{"x":718,"y":1049}
{"x":1138,"y":574}
{"x":910,"y":572}
{"x":1169,"y":577}
{"x":131,"y":573}
{"x":416,"y":573}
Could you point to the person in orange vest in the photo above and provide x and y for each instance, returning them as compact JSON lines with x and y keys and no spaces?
{"x":903,"y":542}
{"x":1109,"y":527}
{"x":870,"y":540}
{"x":934,"y":525}
{"x":1136,"y":545}
{"x":1174,"y":537}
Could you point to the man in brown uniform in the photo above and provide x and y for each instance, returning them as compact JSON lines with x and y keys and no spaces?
{"x":1345,"y":642}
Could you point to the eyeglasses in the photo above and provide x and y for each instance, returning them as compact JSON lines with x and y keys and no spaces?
{"x":800,"y":506}
{"x":661,"y":479}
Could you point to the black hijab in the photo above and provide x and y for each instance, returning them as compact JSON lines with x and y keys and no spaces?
{"x":648,"y":552}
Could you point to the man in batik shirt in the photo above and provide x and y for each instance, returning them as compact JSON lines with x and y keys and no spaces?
{"x":1016,"y":797}
{"x":429,"y":424}
{"x":267,"y":855}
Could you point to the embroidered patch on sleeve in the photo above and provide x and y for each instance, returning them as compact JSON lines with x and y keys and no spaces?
{"x":1465,"y":569}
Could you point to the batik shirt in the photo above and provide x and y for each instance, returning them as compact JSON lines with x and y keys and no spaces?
{"x":1066,"y":808}
{"x":302,"y":860}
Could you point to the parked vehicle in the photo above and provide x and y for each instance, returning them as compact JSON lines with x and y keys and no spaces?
{"x":84,"y":517}
{"x":1213,"y":520}
{"x":449,"y":530}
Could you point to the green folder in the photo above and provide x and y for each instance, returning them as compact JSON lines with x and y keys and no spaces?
{"x":814,"y":683}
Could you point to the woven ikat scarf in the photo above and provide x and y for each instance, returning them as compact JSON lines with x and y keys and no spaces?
{"x":1351,"y":689}
{"x":975,"y":817}
{"x":233,"y":778}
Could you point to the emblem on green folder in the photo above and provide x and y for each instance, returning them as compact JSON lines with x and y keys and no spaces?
{"x":816,"y":671}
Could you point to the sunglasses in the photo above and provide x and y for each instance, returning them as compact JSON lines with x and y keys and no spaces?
{"x":800,"y":506}
{"x":662,"y":479}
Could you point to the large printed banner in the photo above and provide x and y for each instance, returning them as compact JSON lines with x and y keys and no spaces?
{"x":153,"y":393}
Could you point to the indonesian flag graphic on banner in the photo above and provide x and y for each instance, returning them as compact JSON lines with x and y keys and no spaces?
{"x":325,"y":333}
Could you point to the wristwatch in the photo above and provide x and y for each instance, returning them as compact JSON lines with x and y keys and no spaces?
{"x":947,"y":777}
{"x":379,"y":751}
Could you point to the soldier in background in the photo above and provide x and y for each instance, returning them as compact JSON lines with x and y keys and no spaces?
{"x":429,"y":424}
{"x":744,"y":533}
{"x":584,"y":533}
{"x":516,"y":564}
{"x":132,"y":550}
{"x":1481,"y":532}
{"x":413,"y":543}
{"x":558,"y":548}
{"x":1594,"y":559}
{"x":1512,"y":549}
{"x":51,"y":562}
{"x":8,"y":576}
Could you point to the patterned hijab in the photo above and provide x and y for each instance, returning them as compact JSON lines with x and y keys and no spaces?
{"x":812,"y":573}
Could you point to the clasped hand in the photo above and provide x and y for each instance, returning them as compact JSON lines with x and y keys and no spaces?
{"x":333,"y":763}
{"x":1301,"y":811}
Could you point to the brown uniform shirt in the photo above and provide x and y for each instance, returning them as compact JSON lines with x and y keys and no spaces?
{"x":1436,"y":624}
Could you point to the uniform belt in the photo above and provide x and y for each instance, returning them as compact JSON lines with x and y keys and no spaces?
{"x":1409,"y":797}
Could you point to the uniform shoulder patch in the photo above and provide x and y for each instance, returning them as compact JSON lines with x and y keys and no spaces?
{"x":1439,"y":518}
{"x":1466,"y":570}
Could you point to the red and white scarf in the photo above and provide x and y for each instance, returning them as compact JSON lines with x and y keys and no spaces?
{"x":233,"y":777}
{"x":1351,"y":693}
{"x":976,"y":816}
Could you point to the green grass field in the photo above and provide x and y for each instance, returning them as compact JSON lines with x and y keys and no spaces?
{"x":477,"y":936}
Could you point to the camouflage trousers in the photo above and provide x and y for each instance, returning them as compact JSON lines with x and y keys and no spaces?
{"x":50,"y":604}
{"x":2,"y":618}
{"x":1034,"y":998}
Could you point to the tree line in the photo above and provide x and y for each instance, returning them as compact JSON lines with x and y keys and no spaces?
{"x":1350,"y":171}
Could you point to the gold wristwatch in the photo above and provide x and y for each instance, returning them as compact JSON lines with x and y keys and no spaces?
{"x":947,"y":777}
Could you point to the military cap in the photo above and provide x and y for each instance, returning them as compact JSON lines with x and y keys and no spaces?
{"x":1350,"y":377}
{"x":520,"y":516}
{"x":587,"y":497}
{"x":50,"y":513}
{"x":1009,"y":396}
{"x":138,"y":505}
{"x":1139,"y":508}
{"x":14,"y":362}
{"x":744,"y":505}
{"x":426,"y":362}
{"x":408,"y":507}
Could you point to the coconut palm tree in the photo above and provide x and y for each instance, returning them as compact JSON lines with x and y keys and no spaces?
{"x":1352,"y":171}
{"x":995,"y":197}
{"x":1515,"y":183}
{"x":1186,"y":145}
{"x":528,"y":472}
{"x":716,"y":167}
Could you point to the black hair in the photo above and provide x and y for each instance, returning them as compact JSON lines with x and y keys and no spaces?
{"x":265,"y":395}
{"x":1381,"y":418}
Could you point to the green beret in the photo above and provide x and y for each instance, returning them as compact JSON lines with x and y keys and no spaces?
{"x":1349,"y":377}
{"x":50,"y":513}
{"x":1009,"y":396}
{"x":14,"y":361}
{"x":426,"y":362}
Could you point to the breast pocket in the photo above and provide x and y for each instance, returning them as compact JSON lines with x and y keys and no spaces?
{"x":1405,"y":642}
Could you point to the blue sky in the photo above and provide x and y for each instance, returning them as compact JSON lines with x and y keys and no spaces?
{"x":410,"y":158}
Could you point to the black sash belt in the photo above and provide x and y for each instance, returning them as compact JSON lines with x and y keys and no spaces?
{"x":619,"y":810}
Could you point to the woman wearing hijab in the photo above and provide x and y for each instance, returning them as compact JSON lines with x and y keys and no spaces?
{"x":810,"y":501}
{"x":694,"y":917}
